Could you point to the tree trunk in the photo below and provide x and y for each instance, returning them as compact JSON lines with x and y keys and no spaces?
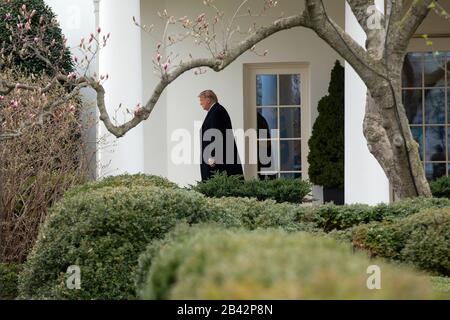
{"x":390,"y":140}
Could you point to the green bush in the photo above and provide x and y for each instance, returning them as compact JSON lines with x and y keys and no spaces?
{"x":280,"y":190}
{"x":441,"y":284}
{"x":326,"y":157}
{"x":103,"y":231}
{"x":332,"y":217}
{"x":441,"y":188}
{"x":8,"y":281}
{"x":252,"y":214}
{"x":103,"y":227}
{"x":212,"y":263}
{"x":125,"y":180}
{"x":421,"y":239}
{"x":58,"y":55}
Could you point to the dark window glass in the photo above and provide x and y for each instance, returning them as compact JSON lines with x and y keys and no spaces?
{"x":268,"y":155}
{"x":290,"y":123}
{"x":290,"y":90}
{"x":266,"y":90}
{"x":413,"y":70}
{"x":435,"y":106}
{"x":267,"y":123}
{"x":435,"y":170}
{"x":412,"y":99}
{"x":434,"y":69}
{"x":435,"y":144}
{"x":291,"y":155}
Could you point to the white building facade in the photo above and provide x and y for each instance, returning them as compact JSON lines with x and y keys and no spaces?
{"x":149,"y":148}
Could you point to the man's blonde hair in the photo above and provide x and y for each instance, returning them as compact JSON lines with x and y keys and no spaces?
{"x":210,"y":95}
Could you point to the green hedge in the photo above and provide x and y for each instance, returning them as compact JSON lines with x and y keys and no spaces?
{"x":60,"y":57}
{"x":103,"y":230}
{"x":421,"y":239}
{"x":332,"y":217}
{"x":125,"y":180}
{"x":441,"y":188}
{"x":8,"y":281}
{"x":280,"y":190}
{"x":212,"y":263}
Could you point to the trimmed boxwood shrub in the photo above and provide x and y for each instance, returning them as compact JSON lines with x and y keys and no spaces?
{"x":212,"y":263}
{"x":103,"y":231}
{"x":125,"y":180}
{"x":441,"y":187}
{"x":8,"y":281}
{"x":60,"y":57}
{"x":332,"y":217}
{"x":421,"y":239}
{"x":280,"y":190}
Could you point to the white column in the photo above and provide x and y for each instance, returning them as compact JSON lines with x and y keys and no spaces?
{"x":365,"y":180}
{"x":121,"y":59}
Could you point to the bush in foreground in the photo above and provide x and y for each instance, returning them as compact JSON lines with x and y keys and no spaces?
{"x":280,"y":190}
{"x":103,"y":232}
{"x":421,"y":239}
{"x":332,"y":217}
{"x":8,"y":281}
{"x":212,"y":263}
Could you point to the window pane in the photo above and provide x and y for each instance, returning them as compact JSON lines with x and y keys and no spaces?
{"x":412,"y":99}
{"x":268,"y":156}
{"x":291,"y":155}
{"x":290,"y":90}
{"x":435,"y":170}
{"x":267,"y":121}
{"x":413,"y":70}
{"x":266,"y":90}
{"x":417,"y":133}
{"x":290,"y":123}
{"x":435,"y":106}
{"x":435,"y":69}
{"x":297,"y":175}
{"x":435,"y":144}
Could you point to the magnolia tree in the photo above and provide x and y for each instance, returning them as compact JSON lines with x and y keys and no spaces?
{"x":379,"y":64}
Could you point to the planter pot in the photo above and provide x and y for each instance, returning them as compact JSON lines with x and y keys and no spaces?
{"x":335,"y":195}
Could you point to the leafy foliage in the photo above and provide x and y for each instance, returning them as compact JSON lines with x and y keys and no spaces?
{"x":213,"y":263}
{"x":280,"y":190}
{"x":326,"y":156}
{"x":441,"y":187}
{"x":421,"y":239}
{"x":8,"y":281}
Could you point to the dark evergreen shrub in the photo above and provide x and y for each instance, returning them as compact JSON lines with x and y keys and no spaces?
{"x":326,"y":156}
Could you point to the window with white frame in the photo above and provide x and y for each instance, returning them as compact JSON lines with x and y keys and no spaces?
{"x":278,"y":108}
{"x":426,"y":97}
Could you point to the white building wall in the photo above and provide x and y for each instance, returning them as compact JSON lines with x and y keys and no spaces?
{"x":121,"y":60}
{"x":182,"y":107}
{"x":77,"y":20}
{"x":365,"y":180}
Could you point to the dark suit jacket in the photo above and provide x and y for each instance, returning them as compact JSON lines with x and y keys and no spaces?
{"x":219,"y":119}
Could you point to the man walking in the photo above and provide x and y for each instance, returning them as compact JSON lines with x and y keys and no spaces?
{"x":218,"y":146}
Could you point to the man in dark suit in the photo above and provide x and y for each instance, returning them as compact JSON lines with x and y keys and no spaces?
{"x":218,"y":146}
